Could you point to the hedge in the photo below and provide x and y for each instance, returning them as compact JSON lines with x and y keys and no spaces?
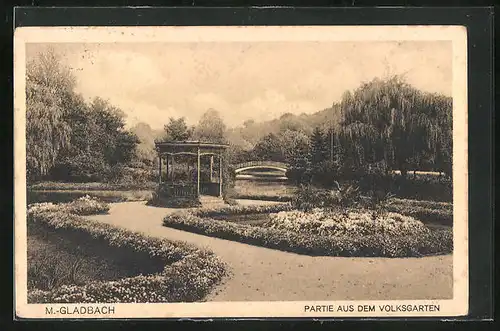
{"x":241,"y":210}
{"x":435,"y":242}
{"x":189,"y":273}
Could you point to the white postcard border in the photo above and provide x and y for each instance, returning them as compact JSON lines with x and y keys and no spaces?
{"x":458,"y":306}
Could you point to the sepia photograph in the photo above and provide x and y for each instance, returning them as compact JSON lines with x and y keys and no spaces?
{"x":241,"y":171}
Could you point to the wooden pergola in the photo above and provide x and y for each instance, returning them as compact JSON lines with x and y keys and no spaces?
{"x":168,"y":150}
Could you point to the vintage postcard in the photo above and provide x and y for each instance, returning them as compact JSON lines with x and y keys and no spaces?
{"x":241,"y":172}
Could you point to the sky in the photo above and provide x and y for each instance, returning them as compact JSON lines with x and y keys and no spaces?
{"x":152,"y":82}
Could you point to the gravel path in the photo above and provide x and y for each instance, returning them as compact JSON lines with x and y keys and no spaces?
{"x":262,"y":274}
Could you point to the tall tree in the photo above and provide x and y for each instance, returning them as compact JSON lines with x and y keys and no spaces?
{"x":177,"y":130}
{"x":269,"y":148}
{"x":49,"y":92}
{"x":211,"y":128}
{"x":392,"y":121}
{"x":299,"y":163}
{"x":319,"y":147}
{"x":290,"y":141}
{"x":99,"y":142}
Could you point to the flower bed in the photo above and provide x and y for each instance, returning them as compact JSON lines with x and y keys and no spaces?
{"x":353,"y":223}
{"x":85,"y":205}
{"x":188,"y":274}
{"x":346,"y":243}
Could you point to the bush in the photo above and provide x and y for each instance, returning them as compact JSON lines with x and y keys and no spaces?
{"x":131,"y":176}
{"x":309,"y":197}
{"x":174,"y":202}
{"x":438,"y":241}
{"x":82,"y":167}
{"x":188,"y":275}
{"x":423,"y":188}
{"x":85,"y":205}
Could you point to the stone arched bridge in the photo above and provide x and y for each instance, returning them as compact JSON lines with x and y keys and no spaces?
{"x":239,"y":167}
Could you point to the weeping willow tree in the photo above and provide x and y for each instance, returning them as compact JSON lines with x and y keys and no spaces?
{"x":49,"y":93}
{"x":389,"y":120}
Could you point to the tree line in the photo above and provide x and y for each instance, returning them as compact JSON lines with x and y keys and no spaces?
{"x":71,"y":139}
{"x":68,"y":138}
{"x":385,"y":124}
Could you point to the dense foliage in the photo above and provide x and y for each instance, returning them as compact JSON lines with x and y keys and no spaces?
{"x":67,"y":138}
{"x":392,"y":121}
{"x":49,"y":93}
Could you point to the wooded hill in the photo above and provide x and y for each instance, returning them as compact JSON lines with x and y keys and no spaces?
{"x":252,"y":131}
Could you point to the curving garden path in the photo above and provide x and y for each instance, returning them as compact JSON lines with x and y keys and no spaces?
{"x":262,"y":274}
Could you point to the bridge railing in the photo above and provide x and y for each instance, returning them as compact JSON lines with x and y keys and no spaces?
{"x":260,"y":163}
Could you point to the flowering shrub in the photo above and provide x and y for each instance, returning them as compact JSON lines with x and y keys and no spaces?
{"x":188,"y":275}
{"x":353,"y":223}
{"x":438,"y":241}
{"x":163,"y":196}
{"x":85,"y":205}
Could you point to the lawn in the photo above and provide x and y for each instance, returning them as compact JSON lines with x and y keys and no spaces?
{"x":54,"y":261}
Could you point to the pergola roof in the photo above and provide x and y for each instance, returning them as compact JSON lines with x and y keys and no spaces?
{"x":188,"y":147}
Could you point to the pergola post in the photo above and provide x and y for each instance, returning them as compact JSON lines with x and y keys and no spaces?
{"x":166,"y":165}
{"x":198,"y":175}
{"x":159,"y":168}
{"x":211,"y":167}
{"x":173,"y":168}
{"x":220,"y":174}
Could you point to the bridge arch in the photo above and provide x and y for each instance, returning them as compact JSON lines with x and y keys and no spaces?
{"x":240,"y":167}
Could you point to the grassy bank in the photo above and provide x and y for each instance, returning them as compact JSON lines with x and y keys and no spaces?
{"x":92,"y":186}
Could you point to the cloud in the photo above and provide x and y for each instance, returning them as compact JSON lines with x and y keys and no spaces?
{"x":152,"y":82}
